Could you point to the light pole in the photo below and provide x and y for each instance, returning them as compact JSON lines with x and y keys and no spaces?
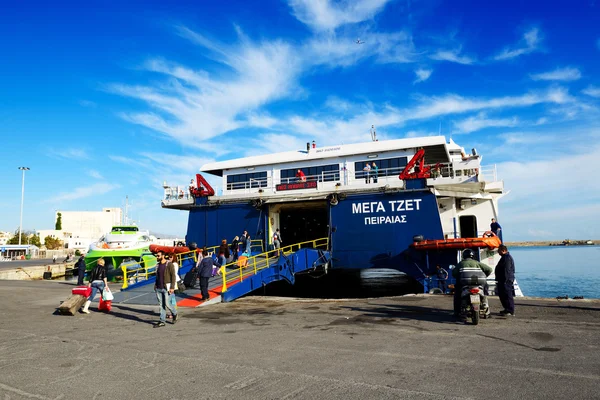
{"x":22,"y":196}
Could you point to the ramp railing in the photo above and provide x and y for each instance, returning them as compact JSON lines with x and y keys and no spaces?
{"x":147,"y":270}
{"x":244,"y":267}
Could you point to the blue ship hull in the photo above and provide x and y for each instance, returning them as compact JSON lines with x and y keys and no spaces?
{"x":372,"y":230}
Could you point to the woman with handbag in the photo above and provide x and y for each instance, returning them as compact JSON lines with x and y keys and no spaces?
{"x":98,"y":282}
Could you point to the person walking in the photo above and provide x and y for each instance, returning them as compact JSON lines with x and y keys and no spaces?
{"x":98,"y":282}
{"x":205,"y":272}
{"x":164,"y":288}
{"x":54,"y":258}
{"x":248,"y":250}
{"x":243,"y":240}
{"x":277,"y":241}
{"x":223,"y":252}
{"x":505,"y":278}
{"x":80,"y":265}
{"x":235,"y":248}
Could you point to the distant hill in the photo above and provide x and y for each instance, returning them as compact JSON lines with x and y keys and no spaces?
{"x":550,"y":243}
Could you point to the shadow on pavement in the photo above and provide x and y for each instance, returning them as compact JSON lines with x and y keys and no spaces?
{"x":407,"y":313}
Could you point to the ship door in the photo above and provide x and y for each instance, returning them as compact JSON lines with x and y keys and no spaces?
{"x":468,"y":226}
{"x":303,"y":222}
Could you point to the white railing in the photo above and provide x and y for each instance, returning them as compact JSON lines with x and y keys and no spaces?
{"x":456,"y":171}
{"x":489,"y":173}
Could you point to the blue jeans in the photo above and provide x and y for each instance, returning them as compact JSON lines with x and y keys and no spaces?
{"x":96,"y":286}
{"x":163,"y":301}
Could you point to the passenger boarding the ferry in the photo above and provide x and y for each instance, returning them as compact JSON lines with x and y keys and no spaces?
{"x":300,"y":176}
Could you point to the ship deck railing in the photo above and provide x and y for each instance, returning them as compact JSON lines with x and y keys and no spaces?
{"x":454,"y":172}
{"x":243,"y":268}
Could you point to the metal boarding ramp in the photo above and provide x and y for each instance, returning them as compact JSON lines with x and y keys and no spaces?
{"x":237,"y":278}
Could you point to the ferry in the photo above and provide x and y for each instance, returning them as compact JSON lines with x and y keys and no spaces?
{"x":124,"y":245}
{"x":406,"y":204}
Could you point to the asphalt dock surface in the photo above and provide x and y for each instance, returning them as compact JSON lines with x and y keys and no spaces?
{"x":272,"y":348}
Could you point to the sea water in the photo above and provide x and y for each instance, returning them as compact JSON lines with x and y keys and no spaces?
{"x":552,"y":271}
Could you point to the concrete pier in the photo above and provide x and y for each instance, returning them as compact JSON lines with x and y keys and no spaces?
{"x":32,"y":269}
{"x":271,"y":348}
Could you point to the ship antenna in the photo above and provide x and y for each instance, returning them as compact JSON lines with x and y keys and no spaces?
{"x":373,"y":133}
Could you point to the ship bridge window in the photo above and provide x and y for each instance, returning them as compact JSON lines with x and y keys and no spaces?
{"x":124,"y":229}
{"x":387,"y":167}
{"x":321,"y":173}
{"x":244,"y":181}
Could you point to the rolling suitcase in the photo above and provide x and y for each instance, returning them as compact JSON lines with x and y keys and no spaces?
{"x":190,"y":278}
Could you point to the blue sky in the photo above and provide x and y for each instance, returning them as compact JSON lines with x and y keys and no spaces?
{"x":110,"y":100}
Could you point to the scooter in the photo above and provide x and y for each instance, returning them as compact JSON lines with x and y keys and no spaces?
{"x":474,"y":304}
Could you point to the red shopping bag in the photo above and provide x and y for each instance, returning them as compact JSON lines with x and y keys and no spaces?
{"x":105,"y":306}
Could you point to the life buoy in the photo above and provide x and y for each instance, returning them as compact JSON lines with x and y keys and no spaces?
{"x":180,"y":244}
{"x":488,"y":234}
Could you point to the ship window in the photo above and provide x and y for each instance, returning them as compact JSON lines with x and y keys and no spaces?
{"x":387,"y":167}
{"x":243,"y":181}
{"x":321,"y":173}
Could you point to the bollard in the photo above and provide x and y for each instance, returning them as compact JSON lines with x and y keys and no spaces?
{"x":48,"y":273}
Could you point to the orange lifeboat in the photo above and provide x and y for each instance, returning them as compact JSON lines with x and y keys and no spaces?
{"x":488,"y":239}
{"x":169,"y":249}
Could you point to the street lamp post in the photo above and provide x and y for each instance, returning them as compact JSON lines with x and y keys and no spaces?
{"x":22,"y":197}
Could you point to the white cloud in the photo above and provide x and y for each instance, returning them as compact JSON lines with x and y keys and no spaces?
{"x":82,"y":192}
{"x":260,"y":120}
{"x":323,"y":15}
{"x":455,"y":104}
{"x":274,"y":143}
{"x":193,"y":105}
{"x":545,"y":197}
{"x":95,"y":174}
{"x":341,"y":51}
{"x":481,"y":121}
{"x":559,"y":74}
{"x":452,"y":56}
{"x":593,"y":91}
{"x":422,"y":74}
{"x":70,"y":153}
{"x":529,"y":43}
{"x":329,"y":129}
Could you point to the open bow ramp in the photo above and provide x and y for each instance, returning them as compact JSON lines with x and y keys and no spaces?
{"x":237,"y":278}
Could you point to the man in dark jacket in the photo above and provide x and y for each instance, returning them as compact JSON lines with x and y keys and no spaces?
{"x":80,"y":265}
{"x":165,"y":287}
{"x":505,"y":277}
{"x":205,"y":272}
{"x":468,"y":263}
